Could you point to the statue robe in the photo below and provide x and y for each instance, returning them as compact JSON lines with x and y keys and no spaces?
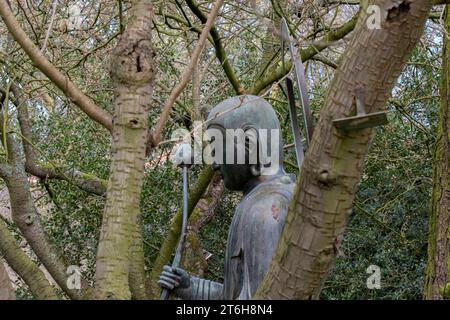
{"x":254,"y":234}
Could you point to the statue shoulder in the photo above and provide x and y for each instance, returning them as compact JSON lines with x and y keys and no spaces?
{"x":280,"y":187}
{"x":269,"y":199}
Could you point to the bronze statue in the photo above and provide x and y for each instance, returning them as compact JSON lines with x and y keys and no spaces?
{"x":259,"y":218}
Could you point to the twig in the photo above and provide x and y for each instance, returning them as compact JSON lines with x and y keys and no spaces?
{"x":50,"y":26}
{"x":43,"y":64}
{"x":187,"y":73}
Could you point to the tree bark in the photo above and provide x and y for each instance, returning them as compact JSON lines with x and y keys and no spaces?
{"x":437,"y":283}
{"x":193,"y":260}
{"x":39,"y":286}
{"x":334,"y":162}
{"x":6,"y":290}
{"x":59,"y":79}
{"x":170,"y":242}
{"x":137,"y":265}
{"x":27,"y":219}
{"x":318,"y":46}
{"x":132,"y":74}
{"x":84,"y":181}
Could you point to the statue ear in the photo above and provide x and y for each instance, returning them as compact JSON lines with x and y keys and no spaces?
{"x":251,"y":145}
{"x":255,"y":169}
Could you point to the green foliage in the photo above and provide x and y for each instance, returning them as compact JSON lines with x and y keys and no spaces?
{"x":389,"y":225}
{"x":214,"y":236}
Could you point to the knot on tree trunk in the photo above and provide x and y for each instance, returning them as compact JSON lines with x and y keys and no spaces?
{"x":325,"y":177}
{"x":131,"y":61}
{"x":398,"y":11}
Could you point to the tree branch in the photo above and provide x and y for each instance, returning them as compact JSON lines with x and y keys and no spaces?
{"x":220,"y":51}
{"x":61,"y":81}
{"x":357,"y":2}
{"x":39,"y":286}
{"x":170,"y":242}
{"x":306,"y":54}
{"x":187,"y":73}
{"x":84,"y":181}
{"x":27,"y":219}
{"x":333,"y":165}
{"x":6,"y":290}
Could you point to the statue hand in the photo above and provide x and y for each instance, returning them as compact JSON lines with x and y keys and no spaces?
{"x":173,"y":278}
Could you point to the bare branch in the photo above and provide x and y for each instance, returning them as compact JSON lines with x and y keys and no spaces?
{"x":43,"y":64}
{"x":319,"y":45}
{"x":6,"y":289}
{"x":84,"y":181}
{"x":187,"y":73}
{"x":50,"y":26}
{"x":333,"y":165}
{"x":220,"y":51}
{"x":24,"y":266}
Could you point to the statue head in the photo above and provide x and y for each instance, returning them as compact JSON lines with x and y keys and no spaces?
{"x":245,"y":141}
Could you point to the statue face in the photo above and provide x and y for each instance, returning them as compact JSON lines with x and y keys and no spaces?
{"x":252,"y":127}
{"x":234,"y":174}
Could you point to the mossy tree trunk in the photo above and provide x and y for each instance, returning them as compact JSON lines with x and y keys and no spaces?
{"x":120,"y":252}
{"x":193,"y":260}
{"x":334,"y":162}
{"x":22,"y":264}
{"x":170,"y":242}
{"x":6,"y":289}
{"x":437,"y":285}
{"x":28,"y":220}
{"x":26,"y":217}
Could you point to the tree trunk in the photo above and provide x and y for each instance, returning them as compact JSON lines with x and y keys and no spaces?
{"x":334,"y":162}
{"x":193,"y":259}
{"x":27,"y":219}
{"x":171,"y":240}
{"x":24,"y":266}
{"x":132,"y":74}
{"x":137,"y":265}
{"x":437,"y":285}
{"x":6,"y":290}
